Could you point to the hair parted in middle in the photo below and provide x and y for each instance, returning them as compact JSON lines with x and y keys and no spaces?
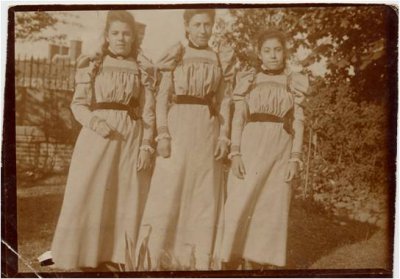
{"x":272,"y":33}
{"x":189,"y":13}
{"x":126,"y":17}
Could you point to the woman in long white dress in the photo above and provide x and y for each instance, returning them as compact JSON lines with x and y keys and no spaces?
{"x":110,"y":167}
{"x":193,"y":118}
{"x":267,"y":135}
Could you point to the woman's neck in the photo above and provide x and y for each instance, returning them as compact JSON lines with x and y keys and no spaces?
{"x":267,"y":71}
{"x":111,"y":53}
{"x":192,"y":44}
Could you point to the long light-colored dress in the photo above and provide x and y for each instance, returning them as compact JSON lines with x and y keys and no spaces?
{"x":256,"y":210}
{"x":186,"y":193}
{"x":105,"y":194}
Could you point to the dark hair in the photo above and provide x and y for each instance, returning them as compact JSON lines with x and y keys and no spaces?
{"x":126,"y":17}
{"x":272,"y":34}
{"x":188,"y":14}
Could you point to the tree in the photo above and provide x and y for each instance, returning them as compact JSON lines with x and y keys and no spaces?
{"x":30,"y":26}
{"x":347,"y":123}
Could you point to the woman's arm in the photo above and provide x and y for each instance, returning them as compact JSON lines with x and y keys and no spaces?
{"x":238,"y":122}
{"x":82,"y":98}
{"x":299,"y":85}
{"x":148,"y":115}
{"x":242,"y":88}
{"x":227,"y":60}
{"x":147,"y":102}
{"x":166,"y":66}
{"x":165,"y":90}
{"x":298,"y":133}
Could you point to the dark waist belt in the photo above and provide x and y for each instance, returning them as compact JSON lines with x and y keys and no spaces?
{"x":287,"y":120}
{"x":118,"y":106}
{"x":265,"y":117}
{"x":192,"y":100}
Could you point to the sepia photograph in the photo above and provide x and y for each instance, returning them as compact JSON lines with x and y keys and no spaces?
{"x":200,"y":140}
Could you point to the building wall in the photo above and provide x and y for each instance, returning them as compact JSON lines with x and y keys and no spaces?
{"x":34,"y":152}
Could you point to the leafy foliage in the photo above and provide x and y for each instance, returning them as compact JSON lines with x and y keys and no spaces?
{"x":347,"y":123}
{"x":31,"y":26}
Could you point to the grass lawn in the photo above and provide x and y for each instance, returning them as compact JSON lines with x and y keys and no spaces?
{"x":315,"y":240}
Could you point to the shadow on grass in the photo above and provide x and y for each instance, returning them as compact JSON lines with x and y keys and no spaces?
{"x":313,"y":234}
{"x":37,"y":219}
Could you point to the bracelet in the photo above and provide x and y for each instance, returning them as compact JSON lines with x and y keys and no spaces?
{"x":224,"y":139}
{"x":233,"y":154}
{"x":300,"y":162}
{"x":162,"y":136}
{"x":147,"y":148}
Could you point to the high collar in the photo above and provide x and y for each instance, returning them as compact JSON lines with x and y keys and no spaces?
{"x":113,"y":55}
{"x":191,"y":44}
{"x":272,"y":72}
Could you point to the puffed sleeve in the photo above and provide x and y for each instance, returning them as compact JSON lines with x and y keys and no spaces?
{"x":166,"y":65}
{"x":227,"y":62}
{"x":299,"y":86}
{"x":82,"y":98}
{"x":147,"y":101}
{"x":244,"y":81}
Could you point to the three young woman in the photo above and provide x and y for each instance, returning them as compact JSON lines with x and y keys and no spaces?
{"x":108,"y":214}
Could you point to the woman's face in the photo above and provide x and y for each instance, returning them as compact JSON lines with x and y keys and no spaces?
{"x":199,"y":29}
{"x":120,"y":38}
{"x":272,"y":54}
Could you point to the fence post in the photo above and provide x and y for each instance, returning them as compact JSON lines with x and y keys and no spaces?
{"x":30,"y":72}
{"x":62,"y":73}
{"x":17,"y":71}
{"x":50,"y":74}
{"x":68,"y":72}
{"x":24,"y":72}
{"x":56,"y":76}
{"x":43,"y":74}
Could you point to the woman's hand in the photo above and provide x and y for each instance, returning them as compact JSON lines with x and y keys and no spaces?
{"x":103,"y":129}
{"x":144,"y":160}
{"x":237,"y":167}
{"x":221,"y":150}
{"x":164,"y":147}
{"x":292,"y":170}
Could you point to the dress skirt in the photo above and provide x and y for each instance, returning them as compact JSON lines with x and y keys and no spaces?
{"x":104,"y":196}
{"x":179,"y":222}
{"x":257,"y":207}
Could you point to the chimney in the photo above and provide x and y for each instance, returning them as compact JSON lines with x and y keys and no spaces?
{"x":53,"y":50}
{"x":75,"y":49}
